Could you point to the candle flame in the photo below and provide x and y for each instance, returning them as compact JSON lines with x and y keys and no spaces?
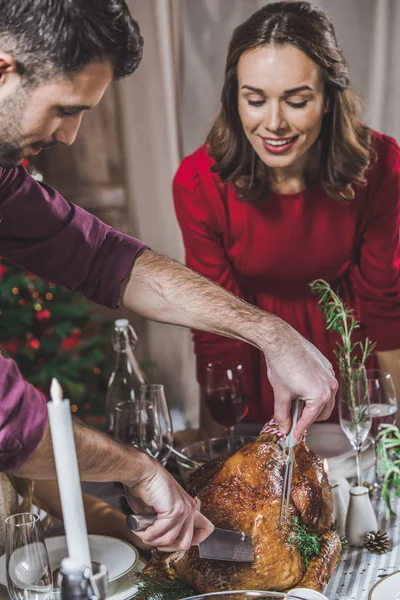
{"x":326,"y":466}
{"x":56,"y":391}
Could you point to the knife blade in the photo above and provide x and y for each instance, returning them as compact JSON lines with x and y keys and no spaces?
{"x":221,"y":544}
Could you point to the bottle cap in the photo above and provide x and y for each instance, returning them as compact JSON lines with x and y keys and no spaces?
{"x":122,"y":323}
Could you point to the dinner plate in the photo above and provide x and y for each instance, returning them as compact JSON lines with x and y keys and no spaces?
{"x":118,"y":556}
{"x":387,"y":588}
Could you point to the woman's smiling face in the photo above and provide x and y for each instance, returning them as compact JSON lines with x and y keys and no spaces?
{"x":281,"y":102}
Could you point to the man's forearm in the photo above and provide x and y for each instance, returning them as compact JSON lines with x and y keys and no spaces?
{"x":99,"y":457}
{"x":162,"y":289}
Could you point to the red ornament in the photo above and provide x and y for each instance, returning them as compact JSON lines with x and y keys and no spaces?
{"x":10,"y":346}
{"x":33,"y":344}
{"x":43,"y":315}
{"x":3,"y":270}
{"x":69,"y":342}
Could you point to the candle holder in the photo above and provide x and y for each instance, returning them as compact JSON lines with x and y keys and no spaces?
{"x":97,"y":580}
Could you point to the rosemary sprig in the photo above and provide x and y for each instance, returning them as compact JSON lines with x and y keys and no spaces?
{"x":149,"y":588}
{"x":306,"y":542}
{"x":388,"y":451}
{"x":340,"y":318}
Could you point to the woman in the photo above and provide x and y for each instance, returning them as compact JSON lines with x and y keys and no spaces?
{"x":289,"y":187}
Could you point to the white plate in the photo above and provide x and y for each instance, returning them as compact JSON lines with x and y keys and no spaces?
{"x":123,"y":588}
{"x":387,"y":588}
{"x":328,"y":441}
{"x":118,"y":556}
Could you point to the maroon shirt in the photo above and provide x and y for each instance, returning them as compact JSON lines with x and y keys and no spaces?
{"x":58,"y":241}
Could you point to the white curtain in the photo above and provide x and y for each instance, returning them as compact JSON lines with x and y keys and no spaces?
{"x":149,"y":123}
{"x":368,"y":31}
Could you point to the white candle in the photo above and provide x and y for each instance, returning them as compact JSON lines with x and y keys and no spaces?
{"x":62,"y":436}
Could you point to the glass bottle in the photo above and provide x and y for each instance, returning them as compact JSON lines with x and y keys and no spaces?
{"x":127,"y":377}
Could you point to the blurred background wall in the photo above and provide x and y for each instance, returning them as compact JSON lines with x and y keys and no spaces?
{"x":129,"y":148}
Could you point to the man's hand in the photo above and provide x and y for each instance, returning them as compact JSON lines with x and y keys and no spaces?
{"x":296,"y":369}
{"x":179,"y":524}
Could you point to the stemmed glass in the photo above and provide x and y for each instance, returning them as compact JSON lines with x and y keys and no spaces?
{"x":383,"y":401}
{"x":226,"y":396}
{"x":156,"y":432}
{"x":28,"y":566}
{"x":127,"y":423}
{"x":354,"y":411}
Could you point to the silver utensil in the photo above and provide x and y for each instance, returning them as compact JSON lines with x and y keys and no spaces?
{"x":296,"y":411}
{"x":190,"y":462}
{"x":222,"y":544}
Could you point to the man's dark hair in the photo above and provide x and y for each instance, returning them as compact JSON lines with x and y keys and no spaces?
{"x":48,"y":37}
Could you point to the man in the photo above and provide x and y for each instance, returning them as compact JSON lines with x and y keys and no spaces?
{"x":57,"y":58}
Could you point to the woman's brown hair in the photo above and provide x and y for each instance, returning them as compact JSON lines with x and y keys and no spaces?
{"x":344,"y":140}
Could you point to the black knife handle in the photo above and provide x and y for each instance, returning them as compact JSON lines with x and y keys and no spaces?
{"x":139,"y":522}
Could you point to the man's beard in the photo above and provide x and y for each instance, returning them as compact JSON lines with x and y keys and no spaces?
{"x":11,"y":136}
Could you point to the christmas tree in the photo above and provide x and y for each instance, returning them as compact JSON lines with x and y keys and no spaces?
{"x":51,"y":332}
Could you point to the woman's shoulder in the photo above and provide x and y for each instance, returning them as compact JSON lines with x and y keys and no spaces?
{"x":195,"y":169}
{"x":385,"y":154}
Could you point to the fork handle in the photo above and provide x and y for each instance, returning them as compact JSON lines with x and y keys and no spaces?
{"x":139,"y":522}
{"x":295,"y":413}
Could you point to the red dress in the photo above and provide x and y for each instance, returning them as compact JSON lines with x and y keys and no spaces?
{"x":268,"y":254}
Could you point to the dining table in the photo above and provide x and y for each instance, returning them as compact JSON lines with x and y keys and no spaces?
{"x":354,"y":577}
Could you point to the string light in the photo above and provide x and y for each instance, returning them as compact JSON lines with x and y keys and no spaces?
{"x":35,"y":295}
{"x":15,"y":291}
{"x":96,"y":371}
{"x":74,"y":408}
{"x":37,"y":306}
{"x":49,"y":296}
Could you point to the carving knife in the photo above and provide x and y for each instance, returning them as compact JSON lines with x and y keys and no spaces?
{"x":222,"y":544}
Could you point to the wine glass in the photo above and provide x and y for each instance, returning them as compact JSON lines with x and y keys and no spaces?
{"x":127,"y":422}
{"x":226,"y":396}
{"x":27,"y":561}
{"x":383,"y":407}
{"x":156,"y":432}
{"x":354,"y":411}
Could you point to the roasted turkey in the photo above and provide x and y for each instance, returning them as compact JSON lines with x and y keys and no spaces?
{"x":242,"y":492}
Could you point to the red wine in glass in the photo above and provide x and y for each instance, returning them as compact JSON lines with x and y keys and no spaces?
{"x":226,"y":395}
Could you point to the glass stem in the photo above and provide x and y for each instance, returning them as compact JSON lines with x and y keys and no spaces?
{"x":359,"y":471}
{"x":229,"y":432}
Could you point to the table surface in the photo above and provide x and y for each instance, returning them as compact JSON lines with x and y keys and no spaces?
{"x":354,"y":576}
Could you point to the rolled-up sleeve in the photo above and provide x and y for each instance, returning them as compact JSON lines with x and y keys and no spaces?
{"x":23,"y":417}
{"x":58,"y":241}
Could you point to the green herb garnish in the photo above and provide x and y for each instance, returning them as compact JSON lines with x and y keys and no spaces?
{"x":149,"y":588}
{"x":306,"y":542}
{"x":340,"y":318}
{"x":389,"y":462}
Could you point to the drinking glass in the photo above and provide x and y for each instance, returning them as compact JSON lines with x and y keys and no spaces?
{"x":27,"y":561}
{"x":383,"y":408}
{"x":127,"y":422}
{"x":156,"y":432}
{"x":354,"y":411}
{"x":225,"y":395}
